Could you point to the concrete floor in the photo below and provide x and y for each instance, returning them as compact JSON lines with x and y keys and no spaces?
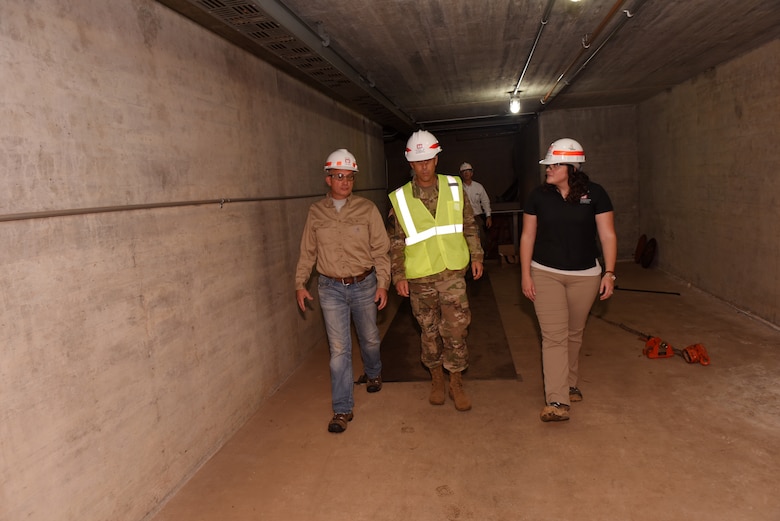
{"x":652,"y":440}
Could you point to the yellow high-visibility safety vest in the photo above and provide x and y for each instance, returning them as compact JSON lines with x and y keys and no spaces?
{"x":432,"y":245}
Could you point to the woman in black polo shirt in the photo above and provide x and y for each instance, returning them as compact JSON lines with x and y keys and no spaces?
{"x":561,"y":273}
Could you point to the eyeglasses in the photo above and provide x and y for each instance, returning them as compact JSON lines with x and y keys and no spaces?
{"x":555,"y":165}
{"x":343,"y":177}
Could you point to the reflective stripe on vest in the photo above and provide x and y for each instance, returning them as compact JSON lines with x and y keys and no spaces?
{"x":413,"y":235}
{"x":441,"y":245}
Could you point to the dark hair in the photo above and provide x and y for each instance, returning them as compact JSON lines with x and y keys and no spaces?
{"x":578,"y":184}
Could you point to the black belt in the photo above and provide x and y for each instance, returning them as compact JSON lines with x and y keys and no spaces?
{"x":351,"y":280}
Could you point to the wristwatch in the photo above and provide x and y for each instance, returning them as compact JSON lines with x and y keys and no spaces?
{"x":611,"y":274}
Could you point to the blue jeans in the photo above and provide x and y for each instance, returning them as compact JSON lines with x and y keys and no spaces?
{"x":339,"y":303}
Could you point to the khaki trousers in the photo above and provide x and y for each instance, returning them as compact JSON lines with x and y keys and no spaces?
{"x":562,"y":305}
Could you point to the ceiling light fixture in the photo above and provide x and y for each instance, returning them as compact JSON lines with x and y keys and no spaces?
{"x":514,"y":104}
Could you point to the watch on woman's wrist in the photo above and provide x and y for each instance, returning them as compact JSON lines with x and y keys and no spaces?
{"x":611,"y":275}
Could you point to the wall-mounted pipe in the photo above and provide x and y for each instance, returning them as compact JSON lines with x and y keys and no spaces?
{"x":47,"y":214}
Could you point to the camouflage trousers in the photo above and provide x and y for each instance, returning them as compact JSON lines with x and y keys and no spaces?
{"x":442,"y":310}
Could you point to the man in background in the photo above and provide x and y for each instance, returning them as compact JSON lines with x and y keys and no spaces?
{"x":480,"y":203}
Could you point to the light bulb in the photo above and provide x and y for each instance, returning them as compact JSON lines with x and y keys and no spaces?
{"x":514,"y":105}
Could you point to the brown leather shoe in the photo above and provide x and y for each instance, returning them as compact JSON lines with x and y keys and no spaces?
{"x":373,"y":385}
{"x":339,"y":422}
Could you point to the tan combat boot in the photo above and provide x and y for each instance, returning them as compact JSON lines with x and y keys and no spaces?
{"x":462,"y":402}
{"x":437,"y":386}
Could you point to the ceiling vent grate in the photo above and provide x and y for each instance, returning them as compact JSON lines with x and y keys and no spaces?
{"x":251,"y":21}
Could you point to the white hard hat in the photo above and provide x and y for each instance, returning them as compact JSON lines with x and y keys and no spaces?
{"x":422,"y":146}
{"x":564,"y":150}
{"x":341,"y":159}
{"x":466,"y":166}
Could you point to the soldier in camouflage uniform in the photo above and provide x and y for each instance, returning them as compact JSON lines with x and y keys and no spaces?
{"x":429,"y":257}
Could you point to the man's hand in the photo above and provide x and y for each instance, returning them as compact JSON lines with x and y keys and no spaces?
{"x":381,"y":297}
{"x":402,"y":287}
{"x":477,"y":269}
{"x":302,"y":295}
{"x":489,"y":222}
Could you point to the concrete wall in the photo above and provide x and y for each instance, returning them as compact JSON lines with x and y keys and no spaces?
{"x":141,"y":324}
{"x":609,"y":137}
{"x":709,"y":190}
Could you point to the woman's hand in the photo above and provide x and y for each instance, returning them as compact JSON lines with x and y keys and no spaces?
{"x":607,"y":287}
{"x":529,"y":290}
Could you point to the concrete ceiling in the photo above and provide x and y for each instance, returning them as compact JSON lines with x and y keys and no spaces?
{"x":452,"y":64}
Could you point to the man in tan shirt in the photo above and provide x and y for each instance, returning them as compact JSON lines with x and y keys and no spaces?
{"x":345,"y":238}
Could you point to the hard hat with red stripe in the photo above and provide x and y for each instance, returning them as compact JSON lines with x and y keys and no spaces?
{"x":565,"y":150}
{"x":341,"y":159}
{"x":422,"y":146}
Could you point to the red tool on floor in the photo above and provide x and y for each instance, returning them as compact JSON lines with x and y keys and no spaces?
{"x":657,"y":348}
{"x":696,"y":353}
